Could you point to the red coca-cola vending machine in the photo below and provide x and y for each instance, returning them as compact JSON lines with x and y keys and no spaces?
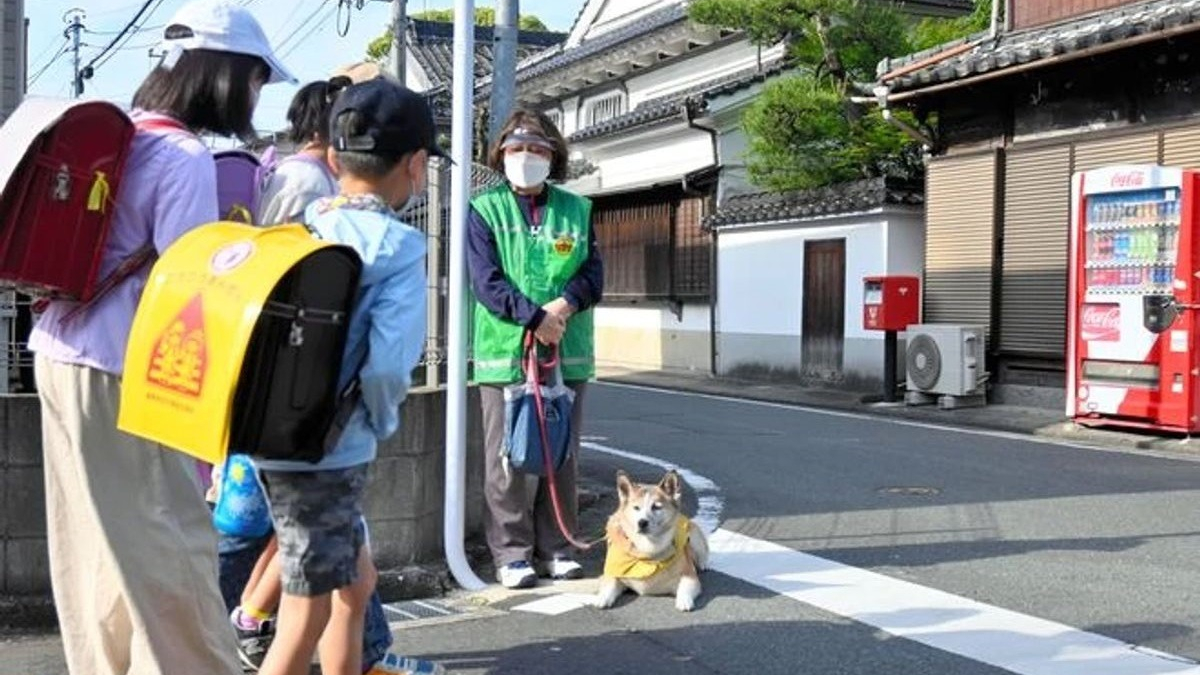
{"x":1132,"y":357}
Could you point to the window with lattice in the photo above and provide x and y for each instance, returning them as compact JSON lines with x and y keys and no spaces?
{"x":604,"y":108}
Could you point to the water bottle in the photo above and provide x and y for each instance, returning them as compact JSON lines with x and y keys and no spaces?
{"x":241,"y":509}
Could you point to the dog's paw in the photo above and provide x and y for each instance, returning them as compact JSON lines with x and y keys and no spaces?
{"x":686,"y":594}
{"x":607,"y":596}
{"x":685,"y":603}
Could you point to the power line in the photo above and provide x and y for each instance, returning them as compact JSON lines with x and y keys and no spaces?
{"x":310,"y":17}
{"x":110,"y":52}
{"x":47,"y":50}
{"x":61,"y":52}
{"x":316,"y":26}
{"x":132,"y":22}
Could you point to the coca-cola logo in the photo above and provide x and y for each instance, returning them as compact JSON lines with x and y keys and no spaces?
{"x":1128,"y":179}
{"x":1101,"y":323}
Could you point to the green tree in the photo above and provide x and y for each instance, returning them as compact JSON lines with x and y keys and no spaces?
{"x":378,"y":48}
{"x":804,"y":130}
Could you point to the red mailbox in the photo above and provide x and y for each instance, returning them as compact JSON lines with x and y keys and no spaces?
{"x":891,"y":302}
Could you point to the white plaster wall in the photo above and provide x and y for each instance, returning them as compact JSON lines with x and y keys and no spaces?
{"x":906,"y":244}
{"x":570,"y":116}
{"x":662,"y":154}
{"x":760,"y":294}
{"x":650,"y":337}
{"x":692,"y":71}
{"x":616,"y":13}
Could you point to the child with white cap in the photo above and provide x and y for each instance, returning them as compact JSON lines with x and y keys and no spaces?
{"x":131,"y":544}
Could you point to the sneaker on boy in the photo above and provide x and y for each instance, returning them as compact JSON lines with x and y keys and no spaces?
{"x":393,"y":664}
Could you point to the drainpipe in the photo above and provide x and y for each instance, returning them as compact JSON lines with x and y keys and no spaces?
{"x":689,"y":117}
{"x":881,"y":96}
{"x":454,"y":523}
{"x":996,"y":18}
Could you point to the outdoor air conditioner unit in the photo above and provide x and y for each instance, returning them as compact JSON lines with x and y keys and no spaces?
{"x":945,"y":359}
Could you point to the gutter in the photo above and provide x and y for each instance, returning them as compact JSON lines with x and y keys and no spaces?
{"x":882,"y":92}
{"x":689,"y":117}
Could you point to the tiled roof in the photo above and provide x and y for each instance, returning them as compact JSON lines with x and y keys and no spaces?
{"x":771,"y":207}
{"x":541,"y":64}
{"x":664,"y":107}
{"x":432,"y":45}
{"x":1036,"y":44}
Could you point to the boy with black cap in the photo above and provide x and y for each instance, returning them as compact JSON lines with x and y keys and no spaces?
{"x":381,"y":137}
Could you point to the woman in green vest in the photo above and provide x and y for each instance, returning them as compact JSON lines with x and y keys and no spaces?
{"x":534,"y":267}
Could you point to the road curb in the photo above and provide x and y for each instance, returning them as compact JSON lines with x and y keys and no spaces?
{"x":996,"y":419}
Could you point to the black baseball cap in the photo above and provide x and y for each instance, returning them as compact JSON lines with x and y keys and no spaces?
{"x":395,"y":120}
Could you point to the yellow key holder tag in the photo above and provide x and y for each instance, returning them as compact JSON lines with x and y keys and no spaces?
{"x":192,"y":329}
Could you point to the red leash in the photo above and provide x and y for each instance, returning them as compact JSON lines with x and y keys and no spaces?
{"x":533,"y":371}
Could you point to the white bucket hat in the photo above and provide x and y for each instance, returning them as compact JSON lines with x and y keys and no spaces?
{"x":222,"y":26}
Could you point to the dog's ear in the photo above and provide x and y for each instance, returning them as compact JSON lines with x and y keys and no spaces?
{"x":624,"y":485}
{"x":670,"y":485}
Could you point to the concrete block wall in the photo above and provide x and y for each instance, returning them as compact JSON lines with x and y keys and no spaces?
{"x":24,"y":567}
{"x":403,"y":504}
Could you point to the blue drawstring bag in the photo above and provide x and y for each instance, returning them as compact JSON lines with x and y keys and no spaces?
{"x":241,"y":509}
{"x":528,"y":406}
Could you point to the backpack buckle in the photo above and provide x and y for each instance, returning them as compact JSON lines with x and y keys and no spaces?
{"x":60,"y":191}
{"x":296,"y":336}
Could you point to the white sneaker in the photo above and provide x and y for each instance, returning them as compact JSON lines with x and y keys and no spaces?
{"x":517,"y":574}
{"x":562,"y":568}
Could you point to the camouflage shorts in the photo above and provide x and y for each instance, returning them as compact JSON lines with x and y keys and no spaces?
{"x":318,"y":521}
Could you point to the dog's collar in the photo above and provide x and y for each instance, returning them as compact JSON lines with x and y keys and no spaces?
{"x":623,"y":562}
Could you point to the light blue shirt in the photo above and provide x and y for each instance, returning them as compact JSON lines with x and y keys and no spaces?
{"x":387,"y":327}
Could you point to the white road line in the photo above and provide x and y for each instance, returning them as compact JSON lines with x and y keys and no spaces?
{"x":1020,"y":643}
{"x":708,"y":495}
{"x":1182,"y":455}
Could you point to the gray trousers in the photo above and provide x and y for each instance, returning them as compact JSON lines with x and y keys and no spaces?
{"x":519,"y":516}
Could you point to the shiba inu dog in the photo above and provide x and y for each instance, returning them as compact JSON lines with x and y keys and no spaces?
{"x":653,"y":549}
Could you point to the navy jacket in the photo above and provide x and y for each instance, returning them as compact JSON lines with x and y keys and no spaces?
{"x":500,"y":297}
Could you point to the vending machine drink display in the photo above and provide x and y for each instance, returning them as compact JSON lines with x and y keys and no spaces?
{"x":1131,"y":359}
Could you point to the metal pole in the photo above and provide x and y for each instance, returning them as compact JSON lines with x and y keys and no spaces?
{"x":453,"y":531}
{"x":504,"y":69}
{"x":890,"y":349}
{"x":76,"y":28}
{"x":437,"y":239}
{"x":399,"y":50}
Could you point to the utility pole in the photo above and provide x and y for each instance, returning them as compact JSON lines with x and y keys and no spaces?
{"x":504,"y":68}
{"x":74,"y":32}
{"x":400,"y":27}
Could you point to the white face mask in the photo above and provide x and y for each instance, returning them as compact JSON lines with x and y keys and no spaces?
{"x":526,"y":170}
{"x":414,"y":198}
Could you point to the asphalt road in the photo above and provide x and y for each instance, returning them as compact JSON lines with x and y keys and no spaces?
{"x":1101,"y":542}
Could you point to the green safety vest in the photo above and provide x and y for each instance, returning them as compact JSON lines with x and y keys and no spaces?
{"x":539,"y":266}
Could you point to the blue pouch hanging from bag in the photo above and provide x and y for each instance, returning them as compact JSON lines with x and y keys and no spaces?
{"x":526,"y":405}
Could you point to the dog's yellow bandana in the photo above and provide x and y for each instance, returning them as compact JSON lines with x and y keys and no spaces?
{"x":622,"y":561}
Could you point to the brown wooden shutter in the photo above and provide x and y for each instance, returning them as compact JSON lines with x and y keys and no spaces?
{"x":1033,"y":293}
{"x":960,"y":216}
{"x":1181,"y":147}
{"x":1132,"y":149}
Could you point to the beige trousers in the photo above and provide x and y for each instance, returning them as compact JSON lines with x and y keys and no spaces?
{"x":133,"y":555}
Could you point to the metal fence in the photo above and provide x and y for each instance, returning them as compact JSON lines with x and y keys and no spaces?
{"x":16,"y":363}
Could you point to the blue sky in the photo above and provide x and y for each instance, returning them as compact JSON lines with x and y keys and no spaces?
{"x":309,"y":58}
